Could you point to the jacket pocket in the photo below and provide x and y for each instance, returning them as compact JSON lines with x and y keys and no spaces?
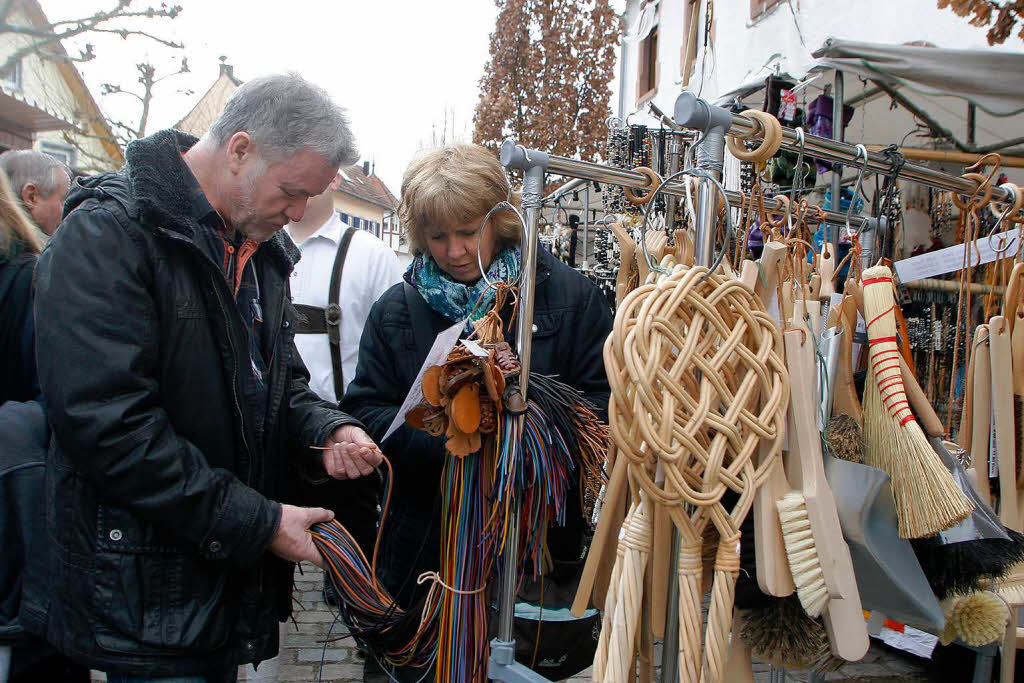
{"x":153,"y":597}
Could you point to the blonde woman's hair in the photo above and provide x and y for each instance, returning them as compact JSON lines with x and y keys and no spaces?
{"x":455,"y":185}
{"x":15,"y":225}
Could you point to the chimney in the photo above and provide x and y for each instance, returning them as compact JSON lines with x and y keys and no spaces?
{"x":366,"y":169}
{"x":226,"y":69}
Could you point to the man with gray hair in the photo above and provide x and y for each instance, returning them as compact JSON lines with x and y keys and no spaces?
{"x":179,"y":405}
{"x":40,"y":181}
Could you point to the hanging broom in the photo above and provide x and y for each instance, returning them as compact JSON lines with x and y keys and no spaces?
{"x":928,"y":500}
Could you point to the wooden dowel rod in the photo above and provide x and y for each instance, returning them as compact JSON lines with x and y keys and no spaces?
{"x":941,"y":155}
{"x":936,"y":285}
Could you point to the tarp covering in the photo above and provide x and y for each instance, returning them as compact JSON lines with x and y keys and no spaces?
{"x":991,"y":79}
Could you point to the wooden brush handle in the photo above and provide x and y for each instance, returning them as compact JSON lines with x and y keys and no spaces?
{"x":738,"y":665}
{"x":1014,"y":288}
{"x":845,"y":400}
{"x":627,"y":252}
{"x":926,"y":416}
{"x":846,"y":628}
{"x":771,"y":257}
{"x":806,"y":470}
{"x":964,"y":434}
{"x":1002,"y":410}
{"x":614,"y":498}
{"x":827,"y":268}
{"x":773,"y":574}
{"x":979,"y":410}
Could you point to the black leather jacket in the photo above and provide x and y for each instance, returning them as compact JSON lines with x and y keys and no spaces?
{"x":160,"y":495}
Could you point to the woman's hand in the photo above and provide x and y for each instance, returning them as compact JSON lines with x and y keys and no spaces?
{"x":350,"y":453}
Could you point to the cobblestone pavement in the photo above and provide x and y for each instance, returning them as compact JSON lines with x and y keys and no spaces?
{"x":304,"y":658}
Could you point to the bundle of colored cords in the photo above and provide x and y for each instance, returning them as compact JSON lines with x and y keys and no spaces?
{"x":560,"y":435}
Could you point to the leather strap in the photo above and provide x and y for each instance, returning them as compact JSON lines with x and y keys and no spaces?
{"x":316,"y":320}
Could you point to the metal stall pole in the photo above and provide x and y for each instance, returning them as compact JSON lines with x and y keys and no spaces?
{"x":502,"y":665}
{"x":831,"y":233}
{"x":585,"y":263}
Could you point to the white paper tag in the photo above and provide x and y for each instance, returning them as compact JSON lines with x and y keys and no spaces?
{"x":443,"y":345}
{"x":951,"y":259}
{"x":475,"y":348}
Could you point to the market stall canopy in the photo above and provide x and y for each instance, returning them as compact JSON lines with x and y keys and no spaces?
{"x":992,"y":80}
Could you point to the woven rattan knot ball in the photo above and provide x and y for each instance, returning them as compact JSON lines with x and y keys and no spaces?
{"x":698,"y":382}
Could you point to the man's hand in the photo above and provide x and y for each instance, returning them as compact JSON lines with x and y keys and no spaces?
{"x":351,"y":453}
{"x":292,"y":540}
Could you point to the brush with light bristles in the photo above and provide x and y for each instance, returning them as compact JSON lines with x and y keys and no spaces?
{"x":978,"y":618}
{"x":818,"y":556}
{"x":928,"y":499}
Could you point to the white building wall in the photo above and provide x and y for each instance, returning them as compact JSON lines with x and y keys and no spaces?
{"x":742,"y":50}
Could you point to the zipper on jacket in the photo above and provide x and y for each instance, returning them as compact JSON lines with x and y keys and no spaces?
{"x":234,"y":382}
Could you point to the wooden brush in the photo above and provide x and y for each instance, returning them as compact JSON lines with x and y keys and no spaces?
{"x":928,"y":500}
{"x":818,"y":556}
{"x":978,"y":618}
{"x":1002,"y":412}
{"x":773,"y":574}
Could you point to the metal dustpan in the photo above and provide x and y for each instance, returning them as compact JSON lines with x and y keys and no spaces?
{"x":889,"y":576}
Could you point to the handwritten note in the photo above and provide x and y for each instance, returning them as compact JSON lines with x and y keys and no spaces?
{"x":443,"y":345}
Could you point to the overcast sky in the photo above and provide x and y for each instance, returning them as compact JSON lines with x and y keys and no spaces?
{"x":402,"y":68}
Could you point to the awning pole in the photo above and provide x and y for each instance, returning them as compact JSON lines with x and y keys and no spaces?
{"x":838,"y":100}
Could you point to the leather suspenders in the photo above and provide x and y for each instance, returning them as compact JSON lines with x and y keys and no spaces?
{"x":315,"y":320}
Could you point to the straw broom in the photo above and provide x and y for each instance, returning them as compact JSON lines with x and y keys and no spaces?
{"x":928,"y":499}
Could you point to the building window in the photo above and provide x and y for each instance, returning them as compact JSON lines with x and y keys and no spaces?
{"x":759,"y":8}
{"x":64,"y":153}
{"x":11,"y":79}
{"x":647,"y":66}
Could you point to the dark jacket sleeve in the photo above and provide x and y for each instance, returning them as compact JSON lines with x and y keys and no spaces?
{"x":96,"y":320}
{"x":310,"y":419}
{"x":588,"y":373}
{"x":379,"y":389}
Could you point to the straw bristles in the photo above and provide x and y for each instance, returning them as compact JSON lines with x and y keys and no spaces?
{"x":977,"y":618}
{"x":802,"y":554}
{"x":928,"y":499}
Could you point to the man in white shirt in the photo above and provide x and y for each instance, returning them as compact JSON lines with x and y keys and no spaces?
{"x":369,"y":269}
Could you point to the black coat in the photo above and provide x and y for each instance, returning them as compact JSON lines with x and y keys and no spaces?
{"x":572,"y":321}
{"x":18,"y":380}
{"x":159,"y":494}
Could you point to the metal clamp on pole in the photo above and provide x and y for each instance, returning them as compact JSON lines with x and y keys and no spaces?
{"x":502,"y":665}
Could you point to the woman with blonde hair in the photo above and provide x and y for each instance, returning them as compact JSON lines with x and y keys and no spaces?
{"x":446,"y":193}
{"x":20,"y":244}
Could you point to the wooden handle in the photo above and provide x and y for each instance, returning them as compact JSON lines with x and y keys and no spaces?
{"x":926,"y":416}
{"x":844,"y":399}
{"x":1014,"y":288}
{"x":1002,"y":410}
{"x":772,"y":255}
{"x":773,"y":574}
{"x":827,"y":268}
{"x":738,"y":666}
{"x":806,"y":470}
{"x":627,"y":252}
{"x":846,"y":628}
{"x":980,"y":410}
{"x":614,"y":499}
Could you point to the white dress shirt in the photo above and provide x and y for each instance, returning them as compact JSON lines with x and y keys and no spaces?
{"x":370,"y":269}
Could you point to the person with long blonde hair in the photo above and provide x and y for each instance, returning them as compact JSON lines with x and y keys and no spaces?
{"x":20,"y":243}
{"x":23,"y":442}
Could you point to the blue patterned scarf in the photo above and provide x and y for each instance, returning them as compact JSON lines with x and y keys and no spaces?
{"x":455,"y":300}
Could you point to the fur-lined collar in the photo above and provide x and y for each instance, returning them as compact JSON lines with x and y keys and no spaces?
{"x":155,"y":173}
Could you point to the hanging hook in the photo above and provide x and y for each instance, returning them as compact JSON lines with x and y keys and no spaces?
{"x":861,"y":151}
{"x":1011,"y":207}
{"x":798,"y":175}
